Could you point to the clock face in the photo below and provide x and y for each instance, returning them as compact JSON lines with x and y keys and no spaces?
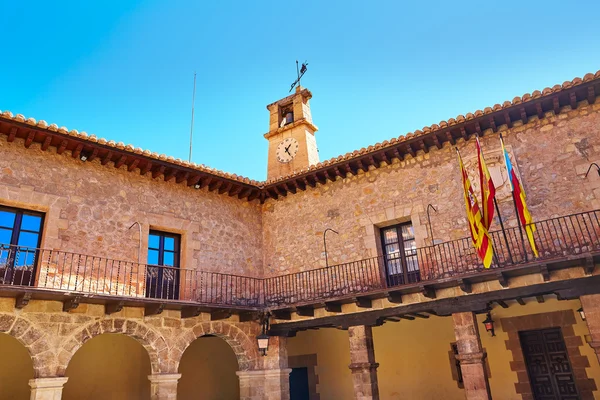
{"x":286,"y":150}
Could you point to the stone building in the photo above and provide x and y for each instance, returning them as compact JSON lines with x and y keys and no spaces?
{"x":126,"y":274}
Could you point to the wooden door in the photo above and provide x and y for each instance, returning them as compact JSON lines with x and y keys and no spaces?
{"x":548,"y":366}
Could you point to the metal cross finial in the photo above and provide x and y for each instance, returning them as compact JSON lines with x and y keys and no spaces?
{"x":300,"y":72}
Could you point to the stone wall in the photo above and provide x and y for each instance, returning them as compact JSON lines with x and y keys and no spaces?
{"x":89,"y":208}
{"x":551,"y":156}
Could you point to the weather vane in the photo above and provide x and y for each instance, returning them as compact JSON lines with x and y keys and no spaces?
{"x":300,"y":73}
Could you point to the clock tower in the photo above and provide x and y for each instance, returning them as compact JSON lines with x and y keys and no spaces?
{"x":291,"y":136}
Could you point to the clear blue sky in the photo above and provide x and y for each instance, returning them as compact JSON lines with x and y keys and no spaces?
{"x":123,"y":70}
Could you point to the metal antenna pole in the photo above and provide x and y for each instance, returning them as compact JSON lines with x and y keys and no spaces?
{"x":298,"y":72}
{"x":192,"y":126}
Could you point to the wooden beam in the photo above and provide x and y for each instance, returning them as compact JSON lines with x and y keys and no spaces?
{"x":463,"y":133}
{"x":538,"y":110}
{"x":235,"y":190}
{"x":46,"y":143}
{"x":225,"y":188}
{"x":77,"y":151}
{"x":133,"y":164}
{"x":121,"y":161}
{"x":397,"y":154}
{"x":363,"y":302}
{"x":93,"y":155}
{"x":282,"y":314}
{"x":591,"y":95}
{"x":206,"y":181}
{"x":573,"y":100}
{"x":172,"y":172}
{"x":523,"y":114}
{"x":214,"y":185}
{"x":29,"y":139}
{"x":12,"y":134}
{"x":248,"y":316}
{"x":540,"y":298}
{"x":192,"y":180}
{"x":502,"y":279}
{"x":589,"y":265}
{"x":113,"y":307}
{"x":332,"y":306}
{"x":22,"y":300}
{"x":555,"y":105}
{"x":507,"y":120}
{"x":417,"y":315}
{"x":445,"y":306}
{"x":305,"y":311}
{"x":394,"y":297}
{"x":428,"y":291}
{"x":436,"y":141}
{"x":71,"y":303}
{"x":182,"y":177}
{"x":493,"y":124}
{"x":520,"y":301}
{"x":218,"y":315}
{"x":107,"y":157}
{"x":191,"y":312}
{"x":158,"y":171}
{"x":154,"y":309}
{"x":254,"y":194}
{"x":423,"y":146}
{"x":408,"y":317}
{"x":290,"y":187}
{"x":545,"y":273}
{"x":281,"y":191}
{"x":465,"y":285}
{"x":62,"y":147}
{"x":502,"y":303}
{"x":478,"y":127}
{"x":450,"y":138}
{"x":410,"y":150}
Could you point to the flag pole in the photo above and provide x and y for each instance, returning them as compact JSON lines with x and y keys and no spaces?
{"x":512,"y":192}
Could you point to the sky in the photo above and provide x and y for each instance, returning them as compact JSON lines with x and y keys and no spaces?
{"x":124,"y":70}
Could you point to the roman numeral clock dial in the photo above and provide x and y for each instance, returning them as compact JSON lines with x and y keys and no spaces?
{"x":287,"y":150}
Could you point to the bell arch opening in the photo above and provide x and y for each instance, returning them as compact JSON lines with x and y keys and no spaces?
{"x":16,"y":369}
{"x":108,"y":366}
{"x":208,"y":364}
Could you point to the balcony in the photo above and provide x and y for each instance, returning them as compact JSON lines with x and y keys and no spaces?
{"x":561,"y":242}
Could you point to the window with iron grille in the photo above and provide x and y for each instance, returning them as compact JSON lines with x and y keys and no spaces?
{"x":20,"y":236}
{"x":400,"y":254}
{"x":162,"y":279}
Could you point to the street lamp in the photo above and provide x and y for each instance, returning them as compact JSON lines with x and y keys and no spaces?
{"x":488,"y":322}
{"x":263,"y":338}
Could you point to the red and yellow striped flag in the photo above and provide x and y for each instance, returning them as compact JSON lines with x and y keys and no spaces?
{"x":488,"y":190}
{"x":479,"y":233}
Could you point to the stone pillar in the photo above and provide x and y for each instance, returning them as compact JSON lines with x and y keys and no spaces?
{"x":47,"y":388}
{"x":163,"y":386}
{"x":265,"y":384}
{"x":591,"y":308}
{"x":471,"y":356}
{"x":363,"y":365}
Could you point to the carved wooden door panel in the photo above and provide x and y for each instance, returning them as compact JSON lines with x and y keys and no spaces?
{"x":548,"y":365}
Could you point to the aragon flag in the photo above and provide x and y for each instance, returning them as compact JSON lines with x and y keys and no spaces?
{"x":488,"y":190}
{"x":479,"y":233}
{"x":519,"y":198}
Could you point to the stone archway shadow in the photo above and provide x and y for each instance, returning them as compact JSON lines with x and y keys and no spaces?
{"x":243,"y":346}
{"x":35,"y":341}
{"x":153,"y":342}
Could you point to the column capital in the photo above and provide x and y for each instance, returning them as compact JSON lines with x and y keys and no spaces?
{"x":263,"y":373}
{"x":159,"y":378}
{"x":47,"y":383}
{"x":471,"y":358}
{"x":363,"y":366}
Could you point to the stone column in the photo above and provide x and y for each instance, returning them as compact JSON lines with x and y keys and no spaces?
{"x":265,"y":384}
{"x":591,"y":308}
{"x":471,"y":356}
{"x":163,"y":386}
{"x":363,"y":365}
{"x":47,"y":388}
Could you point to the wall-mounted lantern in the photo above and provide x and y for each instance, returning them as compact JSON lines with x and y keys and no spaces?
{"x":488,"y":322}
{"x":263,"y":339}
{"x":581,"y":313}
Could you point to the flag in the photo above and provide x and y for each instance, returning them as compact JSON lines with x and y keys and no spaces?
{"x":488,"y":190}
{"x":479,"y":233}
{"x":519,"y":197}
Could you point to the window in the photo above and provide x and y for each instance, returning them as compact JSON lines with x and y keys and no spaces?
{"x":20,"y":235}
{"x":162,"y":279}
{"x":400,"y":254}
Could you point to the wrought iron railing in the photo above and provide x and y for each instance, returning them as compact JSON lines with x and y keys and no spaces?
{"x":556,"y":239}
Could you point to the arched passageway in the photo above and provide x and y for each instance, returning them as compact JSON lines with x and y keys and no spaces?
{"x":109,"y":366}
{"x":16,"y":369}
{"x":208,"y":371}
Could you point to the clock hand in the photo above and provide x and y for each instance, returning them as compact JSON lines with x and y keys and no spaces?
{"x":287,"y":151}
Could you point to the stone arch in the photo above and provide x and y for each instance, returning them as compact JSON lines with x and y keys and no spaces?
{"x":153,"y":342}
{"x":243,"y":346}
{"x":35,"y":341}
